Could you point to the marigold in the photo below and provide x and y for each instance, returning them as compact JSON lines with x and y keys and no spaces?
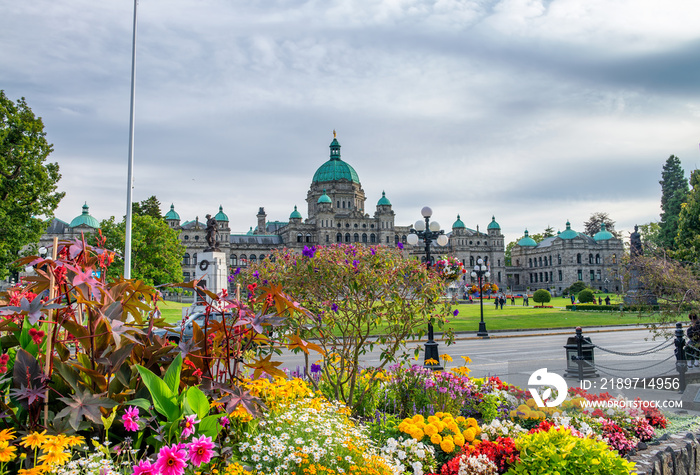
{"x":418,"y":434}
{"x":469,"y":434}
{"x":459,"y":440}
{"x":447,"y":446}
{"x":430,"y":430}
{"x":436,"y":439}
{"x":418,"y":418}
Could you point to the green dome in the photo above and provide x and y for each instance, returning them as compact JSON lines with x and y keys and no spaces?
{"x":493,"y":224}
{"x":250,"y":233}
{"x":324,"y":198}
{"x":458,"y":224}
{"x":221,"y":216}
{"x":603,"y":234}
{"x":295,"y":214}
{"x":383,"y":201}
{"x":172,"y":214}
{"x":85,"y":219}
{"x":335,"y":169}
{"x":568,"y":233}
{"x":527,"y":241}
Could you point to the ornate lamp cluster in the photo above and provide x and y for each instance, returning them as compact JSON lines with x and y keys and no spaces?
{"x":428,"y":232}
{"x":480,"y":272}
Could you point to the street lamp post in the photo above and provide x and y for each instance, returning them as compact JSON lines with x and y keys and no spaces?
{"x":428,"y":232}
{"x":480,"y":271}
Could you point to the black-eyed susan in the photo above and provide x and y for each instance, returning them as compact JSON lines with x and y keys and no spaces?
{"x":34,"y":440}
{"x":6,"y":435}
{"x":7,"y":452}
{"x":55,"y":458}
{"x":38,"y":470}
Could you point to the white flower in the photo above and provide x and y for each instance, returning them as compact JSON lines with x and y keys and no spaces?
{"x":417,"y":468}
{"x":401,"y":455}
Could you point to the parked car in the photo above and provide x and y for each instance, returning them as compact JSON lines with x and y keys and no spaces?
{"x":199,"y":318}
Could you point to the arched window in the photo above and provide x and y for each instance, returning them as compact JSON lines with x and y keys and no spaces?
{"x":338,"y":237}
{"x":387,"y":239}
{"x":578,"y":258}
{"x":471,"y":261}
{"x":579,"y":274}
{"x":347,"y":237}
{"x":186,"y":259}
{"x":234,"y":260}
{"x":355,"y":237}
{"x":530,"y":262}
{"x":194,"y":259}
{"x":486,"y":260}
{"x":597,"y":258}
{"x":364,"y":237}
{"x":561,"y":277}
{"x":308,"y":238}
{"x":559,"y":260}
{"x":300,"y":237}
{"x":372,"y":238}
{"x":244,"y":260}
{"x":541,"y":262}
{"x":396,"y":238}
{"x":592,"y":275}
{"x":590,"y":258}
{"x":253,"y":259}
{"x":328,"y":238}
{"x":403,"y":239}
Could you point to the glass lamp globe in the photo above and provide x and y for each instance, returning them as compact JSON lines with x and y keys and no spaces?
{"x":487,"y":275}
{"x":473,"y":275}
{"x":434,"y":226}
{"x":480,"y":261}
{"x":442,"y":239}
{"x":412,"y":239}
{"x":426,"y":212}
{"x":419,"y":226}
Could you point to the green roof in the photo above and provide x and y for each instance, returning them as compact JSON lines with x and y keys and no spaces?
{"x":458,"y":224}
{"x":603,"y":234}
{"x":335,"y":169}
{"x":527,"y":241}
{"x":295,"y":214}
{"x":250,"y":233}
{"x":383,"y":201}
{"x":172,"y":214}
{"x":221,"y":216}
{"x":568,"y":233}
{"x":85,"y":219}
{"x":493,"y":224}
{"x":324,"y":198}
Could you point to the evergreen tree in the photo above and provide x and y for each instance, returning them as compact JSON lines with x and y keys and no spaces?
{"x":148,"y":207}
{"x":674,"y":190}
{"x":687,"y":243}
{"x":592,"y":226}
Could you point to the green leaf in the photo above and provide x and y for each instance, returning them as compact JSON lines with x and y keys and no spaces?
{"x":210,"y":426}
{"x":141,"y":403}
{"x":198,"y":402}
{"x":172,"y":375}
{"x":163,"y":398}
{"x":108,"y":421}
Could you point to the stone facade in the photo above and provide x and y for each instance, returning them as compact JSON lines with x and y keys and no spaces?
{"x":558,"y":261}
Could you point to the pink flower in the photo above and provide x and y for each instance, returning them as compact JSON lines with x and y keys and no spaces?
{"x":145,"y":467}
{"x":201,"y":450}
{"x":171,"y":460}
{"x":188,"y":425}
{"x":130,"y":418}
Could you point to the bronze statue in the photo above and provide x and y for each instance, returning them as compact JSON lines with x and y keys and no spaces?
{"x":212,"y":228}
{"x":636,"y":248}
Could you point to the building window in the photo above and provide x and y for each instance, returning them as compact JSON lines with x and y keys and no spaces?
{"x":261,"y":257}
{"x":471,"y":261}
{"x":499,"y":276}
{"x":578,"y":258}
{"x":541,"y":262}
{"x":186,"y":276}
{"x":590,"y":258}
{"x":356,"y":237}
{"x":372,"y":238}
{"x":194,"y":259}
{"x":300,"y":237}
{"x":403,"y":239}
{"x":560,"y":276}
{"x":499,"y":265}
{"x":597,"y":275}
{"x":234,"y":260}
{"x":531,"y":261}
{"x":308,"y":238}
{"x":364,"y":237}
{"x":551,"y":278}
{"x":328,"y":238}
{"x":347,"y":237}
{"x":592,"y":275}
{"x":597,"y":258}
{"x":253,"y":259}
{"x":559,"y":259}
{"x":486,"y":260}
{"x":580,"y":274}
{"x":387,"y":239}
{"x":244,"y":260}
{"x":338,"y":237}
{"x":186,"y":259}
{"x":396,"y":238}
{"x":196,"y":238}
{"x":186,"y":238}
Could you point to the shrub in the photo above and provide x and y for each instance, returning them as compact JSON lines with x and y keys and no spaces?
{"x":575,"y":288}
{"x":542,"y":296}
{"x":586,"y":296}
{"x":558,"y":451}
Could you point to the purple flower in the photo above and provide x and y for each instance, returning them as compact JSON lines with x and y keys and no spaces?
{"x":455,"y":313}
{"x":334,"y":307}
{"x":374,"y":251}
{"x":315,"y":368}
{"x":237,"y":271}
{"x":309,"y":251}
{"x":399,"y":245}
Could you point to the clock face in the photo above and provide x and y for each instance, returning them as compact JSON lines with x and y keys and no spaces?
{"x":204,"y":264}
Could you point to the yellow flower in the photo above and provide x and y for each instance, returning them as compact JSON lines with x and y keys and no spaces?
{"x":466,"y":359}
{"x":32,"y":471}
{"x":471,"y":422}
{"x":55,"y":458}
{"x":436,"y":439}
{"x":6,"y":435}
{"x":431,"y":362}
{"x":447,"y":446}
{"x":418,"y":418}
{"x":452,"y":425}
{"x":459,"y":440}
{"x":460,"y":420}
{"x":74,"y":440}
{"x":7,"y":452}
{"x":430,"y":430}
{"x":34,"y":440}
{"x":54,"y":443}
{"x":417,"y":434}
{"x":446,"y":357}
{"x":469,"y":434}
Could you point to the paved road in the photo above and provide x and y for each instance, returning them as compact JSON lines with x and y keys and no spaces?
{"x":514,"y":356}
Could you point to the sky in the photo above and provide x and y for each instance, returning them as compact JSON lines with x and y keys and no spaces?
{"x":532,"y":111}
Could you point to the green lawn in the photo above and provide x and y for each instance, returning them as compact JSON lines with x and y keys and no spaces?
{"x":512,"y":317}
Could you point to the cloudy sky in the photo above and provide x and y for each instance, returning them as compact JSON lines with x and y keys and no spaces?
{"x":535,"y":111}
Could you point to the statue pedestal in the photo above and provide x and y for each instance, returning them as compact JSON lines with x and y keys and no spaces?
{"x":212,"y":271}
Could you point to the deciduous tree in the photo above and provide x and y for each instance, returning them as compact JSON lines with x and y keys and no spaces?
{"x":156,"y":252}
{"x":687,"y":242}
{"x":27,"y":183}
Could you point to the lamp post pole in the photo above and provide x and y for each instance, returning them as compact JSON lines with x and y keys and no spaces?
{"x":480,"y":271}
{"x":428,"y":232}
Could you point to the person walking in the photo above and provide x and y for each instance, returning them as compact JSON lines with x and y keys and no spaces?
{"x":512,"y":299}
{"x":573,"y":299}
{"x":495,"y":300}
{"x":526,"y":300}
{"x":502,"y":301}
{"x":607,"y":300}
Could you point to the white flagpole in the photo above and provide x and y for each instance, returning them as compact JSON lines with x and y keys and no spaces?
{"x":130,"y":174}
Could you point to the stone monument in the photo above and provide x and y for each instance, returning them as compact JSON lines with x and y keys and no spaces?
{"x":212,"y":269}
